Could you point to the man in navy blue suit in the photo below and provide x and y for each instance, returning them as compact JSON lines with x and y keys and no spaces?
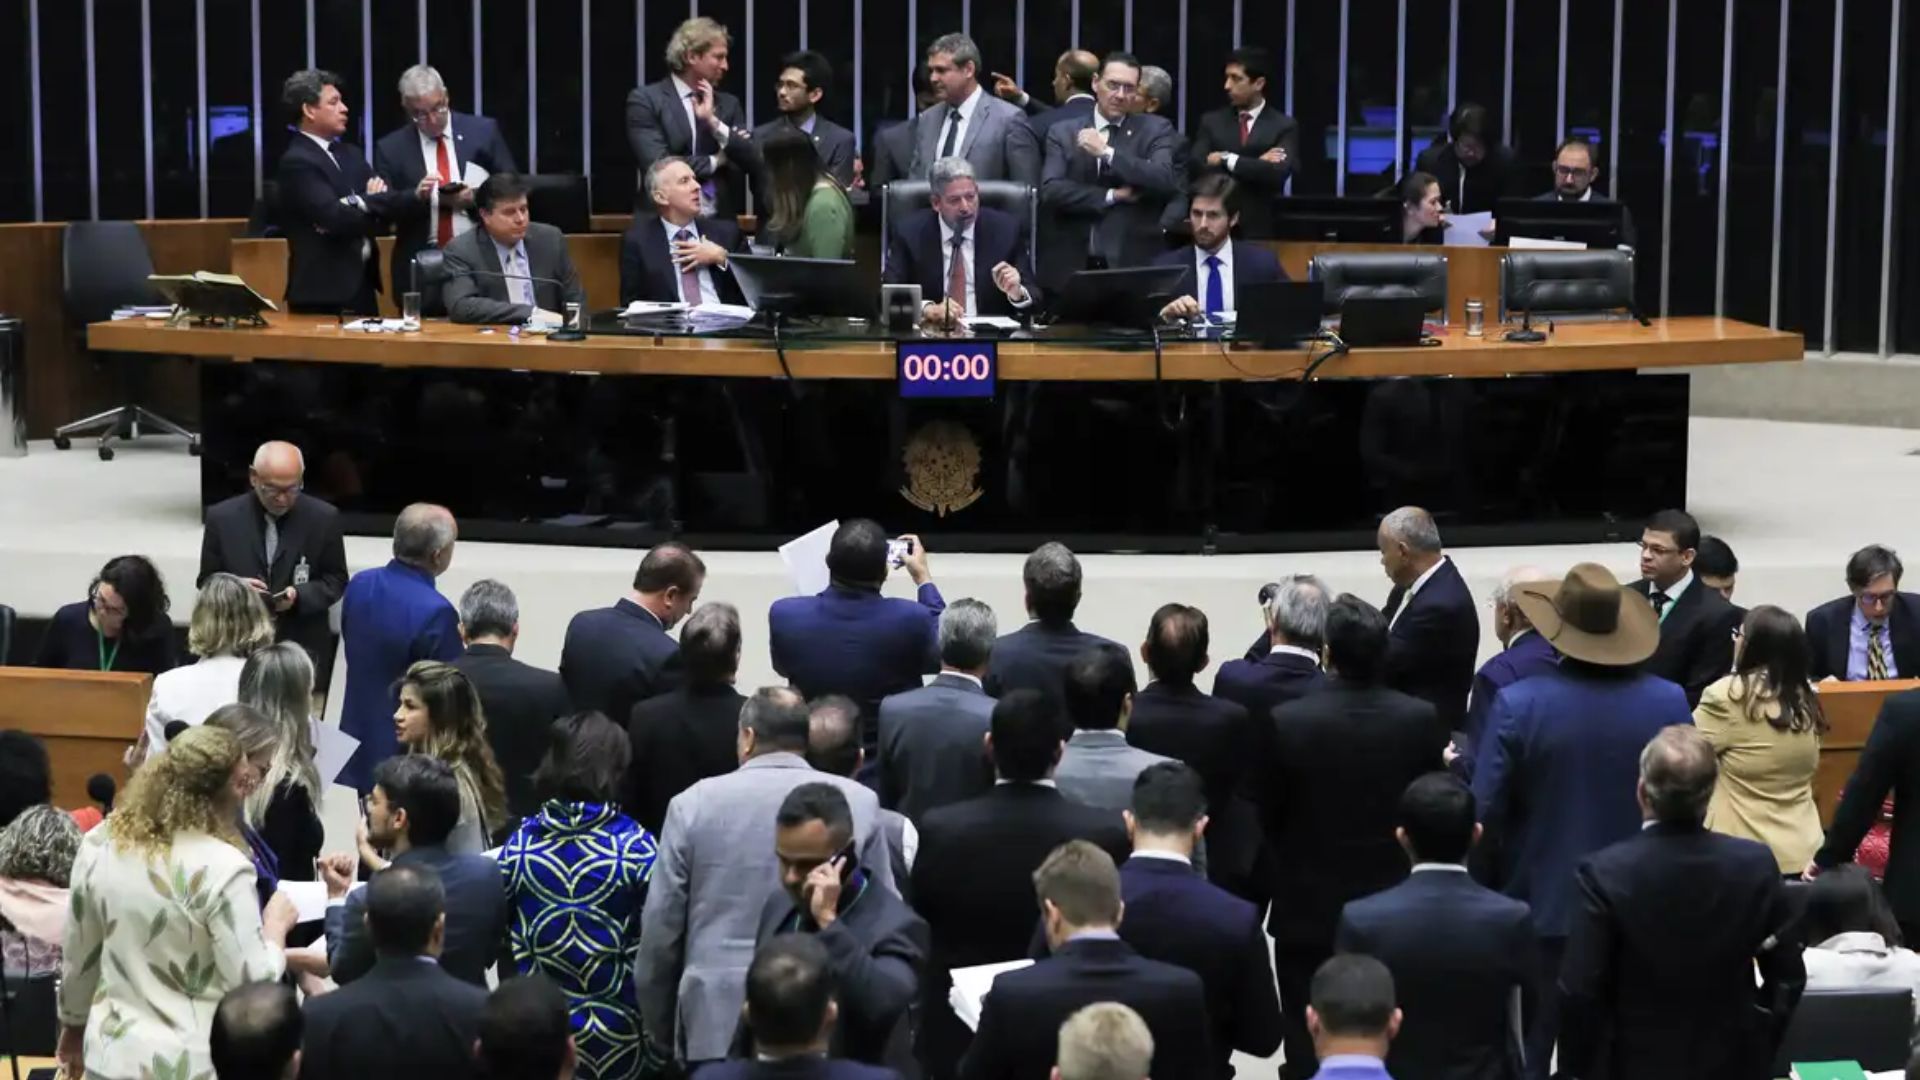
{"x":958,"y":248}
{"x":425,"y":158}
{"x":791,"y":1011}
{"x":1285,"y":664}
{"x":1460,"y":953}
{"x":1554,"y":775}
{"x":849,"y":639}
{"x":1433,"y":627}
{"x":390,"y":617}
{"x":1216,"y":263}
{"x":1524,"y":654}
{"x":1035,"y":657}
{"x":331,"y":205}
{"x":615,"y":657}
{"x":674,"y":254}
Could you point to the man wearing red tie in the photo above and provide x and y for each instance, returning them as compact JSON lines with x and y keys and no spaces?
{"x":438,"y":159}
{"x":1249,"y":140}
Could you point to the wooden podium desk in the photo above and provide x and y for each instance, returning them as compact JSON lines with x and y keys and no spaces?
{"x":87,"y":719}
{"x":1852,"y":708}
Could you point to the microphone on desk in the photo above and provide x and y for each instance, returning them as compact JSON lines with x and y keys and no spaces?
{"x":565,"y":333}
{"x":1527,"y":334}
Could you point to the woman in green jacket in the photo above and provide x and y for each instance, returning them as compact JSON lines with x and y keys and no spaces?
{"x":808,"y":214}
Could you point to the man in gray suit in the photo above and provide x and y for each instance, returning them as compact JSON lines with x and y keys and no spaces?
{"x":933,"y":740}
{"x":713,"y":878}
{"x":493,"y":272}
{"x":1099,"y":766}
{"x":993,"y":135}
{"x":833,"y":747}
{"x":805,"y":77}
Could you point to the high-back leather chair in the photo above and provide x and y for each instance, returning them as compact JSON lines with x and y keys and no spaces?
{"x":1566,"y":282}
{"x":1370,"y":275}
{"x":1867,"y":1026}
{"x":899,"y":199}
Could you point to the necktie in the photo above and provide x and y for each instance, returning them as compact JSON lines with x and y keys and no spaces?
{"x":273,"y":541}
{"x":690,"y":277}
{"x":1246,"y":127}
{"x":953,"y":131}
{"x":957,"y":273}
{"x":1216,"y":289}
{"x":444,"y":233}
{"x":1876,"y":654}
{"x":518,"y":285}
{"x":1660,"y":601}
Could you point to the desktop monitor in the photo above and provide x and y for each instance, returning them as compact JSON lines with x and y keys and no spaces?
{"x":1363,"y":221}
{"x":779,"y":285}
{"x":1596,"y":224}
{"x":560,"y":200}
{"x":1278,"y":314}
{"x":1131,"y":297}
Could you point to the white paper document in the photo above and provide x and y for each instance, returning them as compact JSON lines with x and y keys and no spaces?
{"x":1465,"y":229}
{"x":310,"y":898}
{"x":721,"y":313}
{"x":970,"y":987}
{"x":654,"y":307}
{"x":1545,"y":245}
{"x":806,"y":559}
{"x":473,"y":175}
{"x":332,"y":749}
{"x":997,"y":322}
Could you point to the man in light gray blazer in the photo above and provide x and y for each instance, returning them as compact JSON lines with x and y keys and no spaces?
{"x":1099,"y":766}
{"x":714,"y":877}
{"x":993,"y":135}
{"x":933,"y":740}
{"x":490,"y":270}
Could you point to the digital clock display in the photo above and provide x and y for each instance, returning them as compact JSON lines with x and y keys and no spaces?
{"x":946,"y":369}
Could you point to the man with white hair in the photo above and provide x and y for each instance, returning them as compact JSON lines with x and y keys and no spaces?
{"x":944,"y":250}
{"x":1433,"y":626}
{"x":673,"y":255}
{"x":440,"y":156}
{"x":286,"y":545}
{"x":1524,"y":654}
{"x":686,"y":115}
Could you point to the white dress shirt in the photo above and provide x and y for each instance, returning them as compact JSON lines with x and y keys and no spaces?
{"x":430,"y":154}
{"x":1231,"y":160}
{"x":1201,"y":273}
{"x":1298,"y":651}
{"x":1407,"y":600}
{"x":685,"y":92}
{"x":967,"y":110}
{"x":191,"y":694}
{"x":708,"y":293}
{"x":1170,"y":856}
{"x":517,"y":271}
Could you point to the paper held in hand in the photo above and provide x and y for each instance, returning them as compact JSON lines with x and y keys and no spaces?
{"x":970,"y":988}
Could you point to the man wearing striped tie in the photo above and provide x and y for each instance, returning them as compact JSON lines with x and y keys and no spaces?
{"x":1872,"y":634}
{"x":511,"y":269}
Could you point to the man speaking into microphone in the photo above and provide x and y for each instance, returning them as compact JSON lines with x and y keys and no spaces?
{"x":511,"y":269}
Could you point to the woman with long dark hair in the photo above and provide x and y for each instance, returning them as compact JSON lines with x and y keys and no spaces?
{"x":440,"y":715}
{"x":1853,"y":940}
{"x":1423,"y":216}
{"x":1765,"y":723}
{"x":122,"y":625}
{"x":808,"y":214}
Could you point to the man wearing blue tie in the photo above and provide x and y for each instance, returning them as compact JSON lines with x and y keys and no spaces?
{"x":1215,"y":261}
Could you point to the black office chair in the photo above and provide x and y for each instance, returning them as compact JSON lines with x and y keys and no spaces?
{"x":429,"y":280}
{"x":561,"y":200}
{"x":105,"y":266}
{"x":1561,"y":283}
{"x":1867,"y":1026}
{"x":264,"y":219}
{"x":7,"y":619}
{"x":1379,"y":275}
{"x":901,"y":198}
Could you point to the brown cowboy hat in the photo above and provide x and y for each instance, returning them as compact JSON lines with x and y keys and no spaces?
{"x":1589,"y":616}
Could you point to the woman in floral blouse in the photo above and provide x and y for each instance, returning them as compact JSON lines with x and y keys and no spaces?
{"x":164,"y":919}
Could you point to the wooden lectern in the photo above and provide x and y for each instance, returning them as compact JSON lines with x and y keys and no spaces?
{"x":1851,"y":709}
{"x":86,"y":718}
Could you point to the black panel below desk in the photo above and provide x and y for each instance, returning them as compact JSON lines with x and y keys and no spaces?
{"x":742,"y":463}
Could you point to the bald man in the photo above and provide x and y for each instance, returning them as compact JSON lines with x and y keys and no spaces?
{"x":1072,"y":90}
{"x":284,"y":543}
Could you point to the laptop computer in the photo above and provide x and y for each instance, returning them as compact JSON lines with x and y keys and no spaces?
{"x":1382,"y":321}
{"x":1278,"y":314}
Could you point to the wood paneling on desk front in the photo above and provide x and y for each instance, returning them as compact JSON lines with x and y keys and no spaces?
{"x":1851,"y":709}
{"x":87,"y":719}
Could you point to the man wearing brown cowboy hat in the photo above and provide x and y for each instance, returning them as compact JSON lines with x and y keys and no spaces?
{"x":1554,"y":778}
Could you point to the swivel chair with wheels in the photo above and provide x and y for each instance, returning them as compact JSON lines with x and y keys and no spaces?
{"x":105,"y":266}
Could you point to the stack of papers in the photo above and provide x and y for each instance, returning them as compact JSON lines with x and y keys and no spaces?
{"x":970,"y":988}
{"x":375,"y":326}
{"x":1464,"y":229}
{"x":997,"y":322}
{"x":806,"y":559}
{"x":143,"y":311}
{"x":653,"y":307}
{"x":1540,"y":244}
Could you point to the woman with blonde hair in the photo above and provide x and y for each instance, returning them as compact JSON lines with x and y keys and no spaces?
{"x":258,"y":742}
{"x":440,"y":716}
{"x":163,"y":919}
{"x":277,"y":683}
{"x":230,"y":623}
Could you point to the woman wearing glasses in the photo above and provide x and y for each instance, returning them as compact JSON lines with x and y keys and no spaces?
{"x":122,"y":625}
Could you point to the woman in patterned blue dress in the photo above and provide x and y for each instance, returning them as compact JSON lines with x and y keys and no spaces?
{"x":576,"y":877}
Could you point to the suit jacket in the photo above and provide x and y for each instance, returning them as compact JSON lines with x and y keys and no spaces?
{"x":1098,"y":768}
{"x":1078,"y":107}
{"x":1554,"y":776}
{"x":833,"y":143}
{"x":398,"y":159}
{"x":1629,"y":237}
{"x":646,"y":261}
{"x":916,"y":255}
{"x":329,"y":266}
{"x":1486,"y":183}
{"x":1020,"y":1020}
{"x":1830,"y":628}
{"x":892,"y":154}
{"x":1035,"y":657}
{"x":1890,"y":763}
{"x":1077,"y":219}
{"x":803,"y":1068}
{"x":521,"y":703}
{"x":932,"y":748}
{"x":1432,"y":646}
{"x":679,"y":739}
{"x":1696,"y":638}
{"x":973,"y":883}
{"x":1658,"y":979}
{"x":1214,"y":736}
{"x":711,"y":882}
{"x":1252,"y":265}
{"x":475,"y":293}
{"x":998,"y":142}
{"x":657,"y":127}
{"x":390,"y":617}
{"x":1264,"y":684}
{"x":476,"y":918}
{"x":234,"y":542}
{"x":1459,"y":952}
{"x":1530,"y":654}
{"x":856,"y":642}
{"x":407,"y":1018}
{"x":1261,"y":182}
{"x":616,"y":656}
{"x":1343,"y":757}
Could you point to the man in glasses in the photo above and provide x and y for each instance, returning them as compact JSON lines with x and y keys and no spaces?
{"x":1696,"y":623}
{"x":1575,"y":168}
{"x":286,"y":545}
{"x":439,"y":157}
{"x":1873,"y":633}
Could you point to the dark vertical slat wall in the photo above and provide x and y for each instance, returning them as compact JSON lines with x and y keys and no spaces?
{"x":1863,"y":193}
{"x":229,"y":108}
{"x":1803,"y":257}
{"x":120,"y":125}
{"x":63,"y":109}
{"x":615,"y":31}
{"x":1696,"y":160}
{"x":1643,"y":103}
{"x":1750,"y":176}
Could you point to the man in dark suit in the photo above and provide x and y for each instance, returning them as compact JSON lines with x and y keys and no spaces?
{"x":1524,"y":654}
{"x":1460,"y":953}
{"x":407,"y":1017}
{"x":833,"y":747}
{"x":512,"y":269}
{"x":675,"y":254}
{"x":973,"y":877}
{"x":331,"y":205}
{"x":1719,"y":568}
{"x":433,"y":160}
{"x":520,"y":701}
{"x":692,"y":732}
{"x":851,"y":640}
{"x":933,"y":740}
{"x":1342,"y":757}
{"x":968,"y":259}
{"x":1696,"y":623}
{"x":893,"y":139}
{"x":1215,"y":262}
{"x":1433,"y":626}
{"x":1249,"y":141}
{"x":1671,"y":925}
{"x":1073,"y":75}
{"x":414,"y":806}
{"x":256,"y":1033}
{"x":1889,"y":764}
{"x":526,"y":1031}
{"x":1353,"y":1018}
{"x":1105,"y":180}
{"x":805,"y":78}
{"x":1285,"y":663}
{"x":687,"y":115}
{"x":1559,"y":755}
{"x":287,"y":545}
{"x":616,"y":656}
{"x":791,"y":1011}
{"x":1035,"y":657}
{"x":1474,"y":171}
{"x":968,"y":122}
{"x":1874,"y":633}
{"x":1079,"y":891}
{"x":1574,"y":171}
